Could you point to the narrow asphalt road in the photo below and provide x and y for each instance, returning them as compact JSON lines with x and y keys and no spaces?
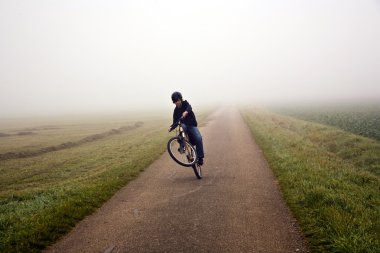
{"x":236,"y":207}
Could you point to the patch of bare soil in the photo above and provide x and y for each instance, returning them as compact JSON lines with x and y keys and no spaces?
{"x":25,"y":133}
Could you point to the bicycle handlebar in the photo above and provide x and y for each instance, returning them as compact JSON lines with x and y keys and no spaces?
{"x":174,"y":126}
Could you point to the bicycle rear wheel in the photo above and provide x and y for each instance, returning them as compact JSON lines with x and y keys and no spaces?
{"x":197,"y":171}
{"x":187,"y":157}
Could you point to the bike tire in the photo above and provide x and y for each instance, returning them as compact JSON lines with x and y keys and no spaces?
{"x":197,"y":171}
{"x":182,"y":159}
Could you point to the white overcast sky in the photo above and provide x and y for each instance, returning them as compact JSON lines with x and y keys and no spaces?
{"x":75,"y":55}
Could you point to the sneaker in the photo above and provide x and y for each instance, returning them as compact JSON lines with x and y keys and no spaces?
{"x":200,"y":161}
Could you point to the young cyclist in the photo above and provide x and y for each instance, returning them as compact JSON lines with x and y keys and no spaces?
{"x":184,"y":112}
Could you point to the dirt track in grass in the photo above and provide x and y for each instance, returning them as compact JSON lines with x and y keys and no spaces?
{"x":66,"y":145}
{"x":236,"y":207}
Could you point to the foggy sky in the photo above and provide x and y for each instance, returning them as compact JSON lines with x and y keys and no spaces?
{"x":67,"y":56}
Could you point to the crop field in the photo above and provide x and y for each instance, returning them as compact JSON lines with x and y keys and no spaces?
{"x":362,"y":120}
{"x":55,"y":172}
{"x":329,"y":178}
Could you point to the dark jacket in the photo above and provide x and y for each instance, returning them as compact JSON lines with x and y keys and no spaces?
{"x":190,"y":119}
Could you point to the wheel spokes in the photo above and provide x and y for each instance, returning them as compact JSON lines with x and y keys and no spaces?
{"x":187,"y":156}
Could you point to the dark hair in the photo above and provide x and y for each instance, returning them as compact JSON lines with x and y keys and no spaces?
{"x":176,"y":95}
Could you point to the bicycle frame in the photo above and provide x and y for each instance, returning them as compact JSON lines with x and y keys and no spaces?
{"x":182,"y":134}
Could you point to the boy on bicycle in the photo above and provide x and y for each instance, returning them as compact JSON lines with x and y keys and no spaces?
{"x":184,"y":112}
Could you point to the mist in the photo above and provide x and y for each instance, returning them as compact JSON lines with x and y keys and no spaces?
{"x":99,"y":56}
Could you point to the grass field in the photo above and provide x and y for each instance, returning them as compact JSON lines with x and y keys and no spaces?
{"x":329,"y":177}
{"x":361,"y":119}
{"x":62,"y":171}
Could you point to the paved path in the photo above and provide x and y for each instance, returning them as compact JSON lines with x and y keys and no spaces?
{"x":236,"y":207}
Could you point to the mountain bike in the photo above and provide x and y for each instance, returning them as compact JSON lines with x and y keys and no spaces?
{"x":182,"y":151}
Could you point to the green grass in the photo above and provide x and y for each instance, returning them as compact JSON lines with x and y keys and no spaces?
{"x":47,"y":131}
{"x":42,"y":197}
{"x":362,"y":120}
{"x":329,"y":177}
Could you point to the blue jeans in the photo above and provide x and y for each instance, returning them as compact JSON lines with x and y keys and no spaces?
{"x":195,"y":139}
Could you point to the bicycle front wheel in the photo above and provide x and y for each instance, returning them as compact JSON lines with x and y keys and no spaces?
{"x":186,"y":157}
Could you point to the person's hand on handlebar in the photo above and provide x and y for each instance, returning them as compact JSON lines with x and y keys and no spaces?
{"x":172,"y":127}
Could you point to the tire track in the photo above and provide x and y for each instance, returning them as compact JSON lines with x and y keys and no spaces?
{"x":70,"y":144}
